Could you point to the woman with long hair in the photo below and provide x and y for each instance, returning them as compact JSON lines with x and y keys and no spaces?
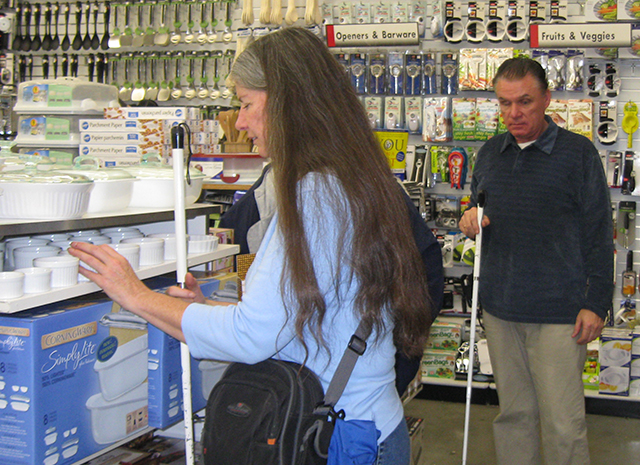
{"x":338,"y":251}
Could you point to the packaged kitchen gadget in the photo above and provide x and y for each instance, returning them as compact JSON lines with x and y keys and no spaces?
{"x":394,"y":146}
{"x":438,"y":364}
{"x":615,"y":361}
{"x":444,"y":336}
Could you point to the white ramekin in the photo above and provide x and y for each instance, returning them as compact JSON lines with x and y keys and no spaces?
{"x":11,"y":284}
{"x":199,"y":244}
{"x":23,"y":257}
{"x":170,"y":250}
{"x":129,"y":251}
{"x":36,"y":280}
{"x":151,"y":249}
{"x":64,"y":269}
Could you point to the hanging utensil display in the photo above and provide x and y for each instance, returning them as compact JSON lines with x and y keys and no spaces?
{"x":104,"y":42}
{"x":77,"y":40}
{"x":177,"y":91}
{"x":291,"y":16}
{"x":64,"y":65}
{"x":150,"y":31}
{"x":190,"y":91}
{"x":55,"y":37}
{"x":138,"y":92}
{"x":127,"y":87}
{"x":165,"y":90}
{"x":45,"y":67}
{"x":630,"y":121}
{"x":138,"y":33}
{"x":46,"y":39}
{"x":189,"y":35}
{"x":54,"y":62}
{"x":17,"y":39}
{"x":265,"y":11}
{"x":100,"y":67}
{"x":212,"y":36}
{"x":66,"y":41}
{"x":26,"y":38}
{"x":162,"y":36}
{"x":73,"y":65}
{"x":86,"y":42}
{"x":276,"y":12}
{"x":215,"y":91}
{"x":227,"y":35}
{"x":91,"y":66}
{"x":152,"y":90}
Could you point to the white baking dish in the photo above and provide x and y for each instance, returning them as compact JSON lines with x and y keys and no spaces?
{"x":154,"y":188}
{"x":114,"y":420}
{"x":125,"y":370}
{"x":43,"y":195}
{"x":112,"y":187}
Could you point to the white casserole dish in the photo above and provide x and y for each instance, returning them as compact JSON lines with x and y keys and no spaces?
{"x":154,"y":188}
{"x":125,"y":370}
{"x":112,"y":187}
{"x":44,"y":195}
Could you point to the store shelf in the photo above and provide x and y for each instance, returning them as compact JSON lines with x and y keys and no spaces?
{"x":35,"y":300}
{"x":115,"y":445}
{"x":456,"y":383}
{"x":596,"y":395}
{"x":226,"y":187}
{"x":126,"y":217}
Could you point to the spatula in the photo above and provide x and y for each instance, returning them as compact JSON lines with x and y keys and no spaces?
{"x":126,"y":39}
{"x":138,"y":92}
{"x":114,"y":39}
{"x":630,"y":121}
{"x":176,"y":34}
{"x":164,"y":93}
{"x":162,"y":36}
{"x":150,"y":32}
{"x":152,"y":86}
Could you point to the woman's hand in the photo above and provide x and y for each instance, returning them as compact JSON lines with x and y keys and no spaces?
{"x":191,"y":293}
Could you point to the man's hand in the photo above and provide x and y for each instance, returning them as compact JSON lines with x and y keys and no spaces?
{"x":469,"y":223}
{"x":588,"y":326}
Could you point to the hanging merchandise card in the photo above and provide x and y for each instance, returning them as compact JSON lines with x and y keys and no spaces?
{"x":495,"y":57}
{"x":558,"y":111}
{"x":436,"y":120}
{"x":463,"y":118}
{"x":487,"y":111}
{"x":581,"y":117}
{"x":472,"y":71}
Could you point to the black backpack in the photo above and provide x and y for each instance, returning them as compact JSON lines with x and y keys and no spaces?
{"x":275,"y":412}
{"x":260,"y":414}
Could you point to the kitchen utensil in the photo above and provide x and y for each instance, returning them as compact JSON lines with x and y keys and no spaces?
{"x":212,"y":36}
{"x":138,"y":92}
{"x":36,"y":42}
{"x":26,"y":38}
{"x":276,"y":12}
{"x":162,"y":36}
{"x":45,"y":67}
{"x":104,"y":42}
{"x":215,"y":91}
{"x":86,"y":42}
{"x":30,"y":66}
{"x":17,"y":39}
{"x":189,"y":35}
{"x":73,"y":64}
{"x":150,"y":32}
{"x":55,"y":38}
{"x":227,"y":35}
{"x":291,"y":15}
{"x":152,"y":90}
{"x":126,"y":39}
{"x":190,"y":92}
{"x":95,"y":40}
{"x":312,"y":13}
{"x":77,"y":40}
{"x":176,"y":34}
{"x":46,"y":39}
{"x":91,"y":65}
{"x":247,"y":12}
{"x":225,"y":92}
{"x":203,"y":90}
{"x":114,"y":39}
{"x":127,"y":87}
{"x":265,"y":11}
{"x":177,"y":91}
{"x":165,"y":90}
{"x":66,"y":42}
{"x":630,"y":121}
{"x":201,"y":37}
{"x":138,"y":33}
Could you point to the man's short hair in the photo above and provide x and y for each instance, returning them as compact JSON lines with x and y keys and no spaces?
{"x":519,"y":67}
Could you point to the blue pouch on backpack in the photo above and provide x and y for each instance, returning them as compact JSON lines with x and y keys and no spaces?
{"x":354,"y":442}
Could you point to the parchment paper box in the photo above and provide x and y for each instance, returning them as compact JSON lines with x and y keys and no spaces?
{"x":122,"y":138}
{"x":170,"y":113}
{"x":143,"y":126}
{"x":71,"y":385}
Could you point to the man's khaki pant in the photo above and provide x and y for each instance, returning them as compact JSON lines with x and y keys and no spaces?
{"x":538,"y":371}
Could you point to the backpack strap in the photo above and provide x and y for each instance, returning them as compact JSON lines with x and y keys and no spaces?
{"x":356,"y":347}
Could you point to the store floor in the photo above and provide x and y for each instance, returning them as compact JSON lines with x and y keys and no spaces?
{"x":612,"y":440}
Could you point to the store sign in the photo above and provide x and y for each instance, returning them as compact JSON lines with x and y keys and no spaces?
{"x":597,"y":35}
{"x":372,"y":35}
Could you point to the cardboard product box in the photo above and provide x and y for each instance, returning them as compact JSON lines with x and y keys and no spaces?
{"x":438,"y":364}
{"x":74,"y":381}
{"x":145,"y":127}
{"x":225,"y":235}
{"x":130,"y":150}
{"x":145,"y":113}
{"x":445,"y":336}
{"x":122,"y":138}
{"x":590,"y":374}
{"x":615,"y":361}
{"x":416,"y":436}
{"x":165,"y":370}
{"x":463,"y":118}
{"x":211,"y":166}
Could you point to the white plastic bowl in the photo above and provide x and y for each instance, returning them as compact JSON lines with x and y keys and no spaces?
{"x":151,"y":249}
{"x":64,"y":269}
{"x":129,"y":251}
{"x":36,"y":280}
{"x":199,"y":244}
{"x":11,"y":284}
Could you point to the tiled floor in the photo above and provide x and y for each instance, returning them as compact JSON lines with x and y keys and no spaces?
{"x":612,"y":440}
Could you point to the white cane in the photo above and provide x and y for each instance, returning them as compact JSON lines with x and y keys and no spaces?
{"x":474,"y":316}
{"x":177,"y":143}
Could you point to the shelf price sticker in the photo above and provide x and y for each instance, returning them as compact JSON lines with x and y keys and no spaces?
{"x":597,"y":35}
{"x":372,"y":35}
